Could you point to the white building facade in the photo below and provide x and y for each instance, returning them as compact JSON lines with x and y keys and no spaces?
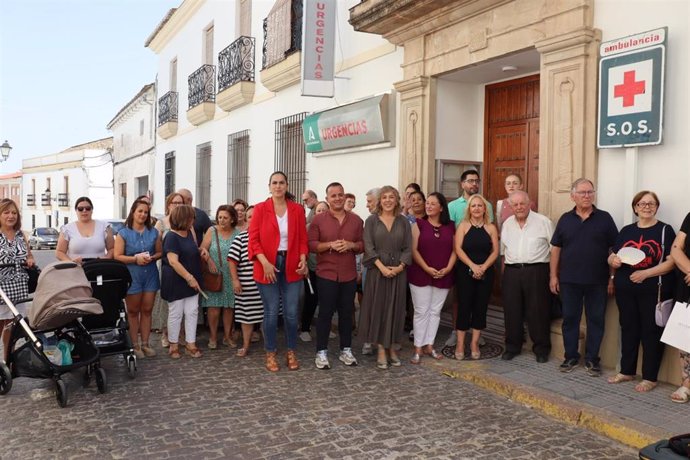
{"x":52,"y":183}
{"x":227,"y":120}
{"x":134,"y":150}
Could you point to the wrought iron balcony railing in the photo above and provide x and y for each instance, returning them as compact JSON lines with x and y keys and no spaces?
{"x":202,"y":85}
{"x":295,"y":34}
{"x":167,"y":108}
{"x":63,"y":199}
{"x":236,"y":63}
{"x":45,"y":199}
{"x":31,"y":199}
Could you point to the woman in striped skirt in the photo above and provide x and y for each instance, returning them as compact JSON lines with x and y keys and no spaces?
{"x":249,"y":309}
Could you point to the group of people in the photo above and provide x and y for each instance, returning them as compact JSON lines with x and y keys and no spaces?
{"x":410,"y":250}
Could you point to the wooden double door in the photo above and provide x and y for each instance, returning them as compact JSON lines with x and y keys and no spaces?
{"x":511,"y":140}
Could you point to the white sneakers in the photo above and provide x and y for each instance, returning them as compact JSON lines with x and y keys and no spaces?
{"x":346,"y":357}
{"x":321,"y":360}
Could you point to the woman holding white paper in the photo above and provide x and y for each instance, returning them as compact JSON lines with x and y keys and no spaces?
{"x":680,"y":252}
{"x":637,"y":290}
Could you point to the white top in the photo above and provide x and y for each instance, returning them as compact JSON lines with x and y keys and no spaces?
{"x":530,"y":244}
{"x":283,"y":228}
{"x":85,"y":247}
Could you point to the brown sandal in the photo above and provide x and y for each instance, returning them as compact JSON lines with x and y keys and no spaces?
{"x":241,"y":352}
{"x":645,"y":386}
{"x":174,"y":353}
{"x":620,"y":378}
{"x":292,"y":362}
{"x":194,"y":352}
{"x":272,"y":362}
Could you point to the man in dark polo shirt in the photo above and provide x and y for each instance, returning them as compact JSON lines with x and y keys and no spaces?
{"x":201,"y":220}
{"x":581,"y":244}
{"x":336,"y":237}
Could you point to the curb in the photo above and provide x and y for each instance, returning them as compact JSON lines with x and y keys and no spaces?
{"x":619,"y":428}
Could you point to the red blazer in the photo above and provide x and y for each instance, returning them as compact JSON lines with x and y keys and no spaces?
{"x":264,"y":238}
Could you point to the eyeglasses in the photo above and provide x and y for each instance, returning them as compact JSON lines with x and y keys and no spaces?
{"x":437,"y":232}
{"x":586,"y":193}
{"x":473,"y":181}
{"x":644,"y":204}
{"x":84,"y":208}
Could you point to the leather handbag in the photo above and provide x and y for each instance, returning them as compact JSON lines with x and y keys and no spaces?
{"x":213,"y":282}
{"x":34,"y":273}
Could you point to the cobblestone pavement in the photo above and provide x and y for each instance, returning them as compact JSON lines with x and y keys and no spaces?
{"x":221,"y":406}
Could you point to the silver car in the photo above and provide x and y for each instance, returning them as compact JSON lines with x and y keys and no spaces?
{"x":43,"y":238}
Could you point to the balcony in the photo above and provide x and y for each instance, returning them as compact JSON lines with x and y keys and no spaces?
{"x":202,"y":95}
{"x":236,"y":74}
{"x":63,"y":200}
{"x":167,"y":115}
{"x":31,"y":199}
{"x":282,"y":69}
{"x":45,"y":199}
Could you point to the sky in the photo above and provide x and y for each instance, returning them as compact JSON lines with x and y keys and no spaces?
{"x":67,"y":67}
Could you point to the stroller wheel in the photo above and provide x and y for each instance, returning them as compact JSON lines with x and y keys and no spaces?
{"x":5,"y":379}
{"x":101,"y":381}
{"x":61,"y":393}
{"x":131,"y":367}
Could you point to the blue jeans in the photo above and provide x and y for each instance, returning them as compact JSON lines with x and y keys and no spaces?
{"x":273,"y":296}
{"x":594,"y":298}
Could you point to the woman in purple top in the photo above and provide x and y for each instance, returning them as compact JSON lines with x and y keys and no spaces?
{"x":431,"y":274}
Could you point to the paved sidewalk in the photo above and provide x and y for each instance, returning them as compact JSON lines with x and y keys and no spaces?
{"x":616,"y":411}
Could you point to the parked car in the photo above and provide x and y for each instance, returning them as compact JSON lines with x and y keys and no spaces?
{"x":43,"y":238}
{"x":116,"y":225}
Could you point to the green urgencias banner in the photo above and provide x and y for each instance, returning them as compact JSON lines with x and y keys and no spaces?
{"x":351,"y":125}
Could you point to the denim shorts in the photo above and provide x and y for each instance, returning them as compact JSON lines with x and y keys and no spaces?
{"x":144,"y":278}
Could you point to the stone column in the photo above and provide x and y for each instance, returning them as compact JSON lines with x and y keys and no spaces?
{"x":417,"y":157}
{"x":568,"y":92}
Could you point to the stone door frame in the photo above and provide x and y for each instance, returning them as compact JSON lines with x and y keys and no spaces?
{"x":440,"y":37}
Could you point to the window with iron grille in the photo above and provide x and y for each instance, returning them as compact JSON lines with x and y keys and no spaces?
{"x":169,"y":173}
{"x":202,"y":198}
{"x":291,"y":153}
{"x":238,"y":166}
{"x":282,"y":31}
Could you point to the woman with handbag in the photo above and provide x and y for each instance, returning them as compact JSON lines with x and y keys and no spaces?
{"x":278,"y":248}
{"x":139,"y":246}
{"x":217,"y":242}
{"x":85,"y":238}
{"x":639,"y":288}
{"x":680,"y":252}
{"x":14,"y":280}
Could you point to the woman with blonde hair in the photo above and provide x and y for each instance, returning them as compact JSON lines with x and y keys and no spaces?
{"x":14,"y":251}
{"x":387,"y":252}
{"x":476,"y":245}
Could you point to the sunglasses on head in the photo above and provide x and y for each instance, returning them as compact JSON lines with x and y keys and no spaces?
{"x":84,"y":208}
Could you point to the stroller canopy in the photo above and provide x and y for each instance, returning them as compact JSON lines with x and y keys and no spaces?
{"x":63,"y":293}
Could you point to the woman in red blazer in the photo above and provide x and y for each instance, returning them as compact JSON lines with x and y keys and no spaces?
{"x":278,"y":247}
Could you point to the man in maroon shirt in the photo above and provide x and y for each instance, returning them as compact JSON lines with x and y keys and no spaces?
{"x":336,"y":237}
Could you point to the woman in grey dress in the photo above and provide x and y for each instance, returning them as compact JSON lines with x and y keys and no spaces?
{"x":387,"y":251}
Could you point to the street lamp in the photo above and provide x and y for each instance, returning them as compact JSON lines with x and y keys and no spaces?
{"x":5,"y":151}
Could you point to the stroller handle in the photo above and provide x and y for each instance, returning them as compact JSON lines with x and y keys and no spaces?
{"x":15,"y":312}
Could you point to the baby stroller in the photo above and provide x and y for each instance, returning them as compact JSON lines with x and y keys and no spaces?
{"x":110,"y":280}
{"x":53,"y":341}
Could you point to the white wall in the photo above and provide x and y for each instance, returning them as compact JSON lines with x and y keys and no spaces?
{"x":358,"y":171}
{"x":664,"y":169}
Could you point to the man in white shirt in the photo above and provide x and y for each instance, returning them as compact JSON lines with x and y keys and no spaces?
{"x":526,"y":249}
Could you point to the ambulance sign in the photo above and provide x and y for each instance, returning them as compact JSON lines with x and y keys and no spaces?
{"x":631,"y":90}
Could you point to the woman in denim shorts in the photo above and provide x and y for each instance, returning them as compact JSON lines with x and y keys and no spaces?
{"x":139,"y":246}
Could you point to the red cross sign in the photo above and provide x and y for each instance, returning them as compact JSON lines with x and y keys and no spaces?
{"x":629,"y":89}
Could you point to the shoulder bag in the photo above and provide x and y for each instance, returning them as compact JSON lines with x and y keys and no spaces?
{"x":33,"y":271}
{"x":213,"y":282}
{"x":663,"y":307}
